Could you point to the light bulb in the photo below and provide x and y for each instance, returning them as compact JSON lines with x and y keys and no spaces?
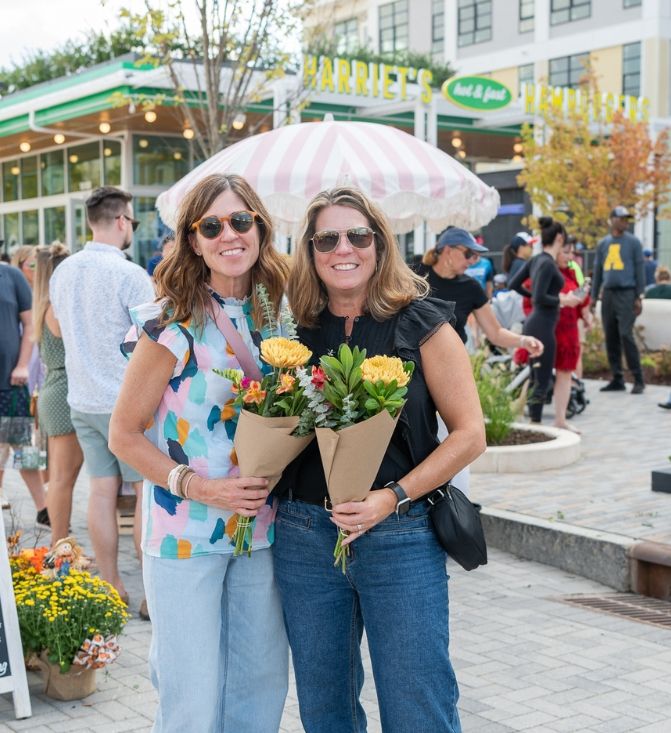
{"x":188,"y":133}
{"x":59,"y":138}
{"x":104,"y":127}
{"x":177,"y":155}
{"x":107,"y":152}
{"x":517,"y":158}
{"x":74,"y":158}
{"x":461,"y":154}
{"x":457,"y":142}
{"x":150,"y":115}
{"x":143,"y":143}
{"x":518,"y":148}
{"x":24,"y":147}
{"x":239,"y":121}
{"x":15,"y":170}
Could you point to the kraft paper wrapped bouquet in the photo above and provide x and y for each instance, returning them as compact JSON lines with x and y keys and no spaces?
{"x":273,"y":425}
{"x":355,"y":414}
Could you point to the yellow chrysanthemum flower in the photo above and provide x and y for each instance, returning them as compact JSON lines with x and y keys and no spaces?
{"x":385,"y":369}
{"x":284,"y":353}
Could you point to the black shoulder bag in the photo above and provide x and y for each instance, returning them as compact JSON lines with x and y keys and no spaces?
{"x":458,"y":526}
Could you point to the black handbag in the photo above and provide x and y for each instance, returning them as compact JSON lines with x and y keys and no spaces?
{"x":458,"y":526}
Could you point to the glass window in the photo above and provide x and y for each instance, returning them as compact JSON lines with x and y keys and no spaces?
{"x":631,"y":69}
{"x":565,"y":11}
{"x":159,"y":161}
{"x":632,"y":3}
{"x":437,"y":28}
{"x":54,"y":224}
{"x":11,"y":230}
{"x":150,"y":232}
{"x":30,"y":225}
{"x":474,"y":22}
{"x":111,"y":162}
{"x":393,"y":26}
{"x":84,"y":167}
{"x":526,"y":15}
{"x":29,"y":177}
{"x":11,"y":172}
{"x":568,"y":71}
{"x":525,"y":75}
{"x":347,"y":35}
{"x":52,"y":167}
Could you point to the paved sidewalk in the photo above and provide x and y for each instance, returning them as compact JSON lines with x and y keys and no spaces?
{"x":524,"y":659}
{"x":624,"y":437}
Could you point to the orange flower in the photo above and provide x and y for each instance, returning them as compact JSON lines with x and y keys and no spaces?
{"x":286,"y":384}
{"x":255,"y":395}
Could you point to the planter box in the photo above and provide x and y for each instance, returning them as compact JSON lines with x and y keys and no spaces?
{"x":661,"y":480}
{"x":563,"y":450}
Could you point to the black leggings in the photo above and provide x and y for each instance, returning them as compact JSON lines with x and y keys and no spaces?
{"x":541,"y":324}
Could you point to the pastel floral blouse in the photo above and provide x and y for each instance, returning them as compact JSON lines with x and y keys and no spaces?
{"x":195,"y":424}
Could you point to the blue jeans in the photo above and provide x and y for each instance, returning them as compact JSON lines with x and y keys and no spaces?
{"x":395,"y":587}
{"x":218,"y":656}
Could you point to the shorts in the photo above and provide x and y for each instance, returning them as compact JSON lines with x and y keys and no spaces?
{"x":93,"y":434}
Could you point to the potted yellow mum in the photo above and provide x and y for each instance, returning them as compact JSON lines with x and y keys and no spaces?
{"x":69,"y":619}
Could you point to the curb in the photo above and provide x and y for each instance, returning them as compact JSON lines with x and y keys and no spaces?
{"x":600,"y":556}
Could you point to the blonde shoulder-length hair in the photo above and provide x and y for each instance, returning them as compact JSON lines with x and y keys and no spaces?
{"x":392,"y":286}
{"x":47,"y":258}
{"x":182,"y":277}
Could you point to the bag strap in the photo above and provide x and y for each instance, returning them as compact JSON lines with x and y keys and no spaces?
{"x":234,"y":340}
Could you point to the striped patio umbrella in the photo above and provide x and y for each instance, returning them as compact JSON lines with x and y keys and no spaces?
{"x":411,"y":180}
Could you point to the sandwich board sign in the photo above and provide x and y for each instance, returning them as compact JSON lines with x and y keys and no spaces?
{"x":12,"y":668}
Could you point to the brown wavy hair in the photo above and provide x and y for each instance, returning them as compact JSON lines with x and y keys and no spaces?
{"x":182,"y":278}
{"x":47,"y":258}
{"x":392,"y":286}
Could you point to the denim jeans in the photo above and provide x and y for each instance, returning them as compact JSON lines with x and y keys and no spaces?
{"x":218,"y":656}
{"x":395,"y":587}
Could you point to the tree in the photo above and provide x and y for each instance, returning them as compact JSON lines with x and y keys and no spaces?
{"x":70,"y":58}
{"x":218,"y":64}
{"x":582,"y":161}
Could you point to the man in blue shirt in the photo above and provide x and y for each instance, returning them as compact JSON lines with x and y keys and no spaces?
{"x":482,"y":270}
{"x":619,"y":268}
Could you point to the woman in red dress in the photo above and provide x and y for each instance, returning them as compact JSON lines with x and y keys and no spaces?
{"x":568,"y":338}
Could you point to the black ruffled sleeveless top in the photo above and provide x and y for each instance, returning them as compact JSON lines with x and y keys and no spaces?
{"x":416,"y":431}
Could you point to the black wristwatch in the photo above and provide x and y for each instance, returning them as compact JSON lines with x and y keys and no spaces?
{"x":402,"y":499}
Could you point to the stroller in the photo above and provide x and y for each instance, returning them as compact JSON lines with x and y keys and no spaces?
{"x":577,"y":401}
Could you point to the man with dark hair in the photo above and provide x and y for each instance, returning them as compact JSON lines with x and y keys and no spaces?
{"x":619,"y":268}
{"x":90,"y":293}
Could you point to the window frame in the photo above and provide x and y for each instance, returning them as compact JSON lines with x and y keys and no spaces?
{"x":526,"y":22}
{"x":573,"y":66}
{"x":478,"y":33}
{"x":573,"y":10}
{"x":627,"y":74}
{"x":392,"y":17}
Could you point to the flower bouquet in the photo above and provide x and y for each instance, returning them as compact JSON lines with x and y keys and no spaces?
{"x":271,"y":429}
{"x":68,"y":618}
{"x":355,"y":414}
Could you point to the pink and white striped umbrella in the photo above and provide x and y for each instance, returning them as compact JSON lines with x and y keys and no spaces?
{"x":410,"y":179}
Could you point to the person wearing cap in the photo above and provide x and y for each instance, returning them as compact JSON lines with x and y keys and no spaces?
{"x":650,"y":265}
{"x":517,"y":253}
{"x":619,"y":279}
{"x":444,"y":267}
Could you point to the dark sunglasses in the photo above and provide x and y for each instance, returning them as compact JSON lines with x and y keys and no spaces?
{"x":212,"y":226}
{"x":469,"y":254}
{"x":327,"y":240}
{"x":133,"y":222}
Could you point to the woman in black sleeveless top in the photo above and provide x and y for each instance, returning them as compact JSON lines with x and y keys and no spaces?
{"x":546,"y":283}
{"x":349,"y":284}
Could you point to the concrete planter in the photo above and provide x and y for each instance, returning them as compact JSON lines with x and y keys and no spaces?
{"x":661,"y":480}
{"x":562,"y":450}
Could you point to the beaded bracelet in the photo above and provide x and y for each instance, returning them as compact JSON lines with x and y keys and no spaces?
{"x":175,"y":478}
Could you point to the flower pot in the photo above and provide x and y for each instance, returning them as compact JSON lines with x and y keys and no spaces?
{"x":74,"y":684}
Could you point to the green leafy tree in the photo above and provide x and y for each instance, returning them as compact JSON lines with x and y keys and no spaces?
{"x":218,"y":64}
{"x":578,"y":168}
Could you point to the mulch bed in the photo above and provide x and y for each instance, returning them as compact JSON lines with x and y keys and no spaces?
{"x":524,"y":437}
{"x":648,"y":375}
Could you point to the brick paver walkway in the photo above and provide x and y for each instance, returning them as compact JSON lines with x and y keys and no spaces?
{"x":524,"y":660}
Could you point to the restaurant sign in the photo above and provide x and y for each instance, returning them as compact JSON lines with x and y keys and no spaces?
{"x":477,"y":93}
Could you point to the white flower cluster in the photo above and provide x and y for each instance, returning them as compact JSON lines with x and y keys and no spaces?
{"x":317,"y":412}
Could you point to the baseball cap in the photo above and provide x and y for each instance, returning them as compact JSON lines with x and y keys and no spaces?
{"x":621,"y":211}
{"x":520,"y":240}
{"x":500,"y":279}
{"x":455,"y":237}
{"x":647,"y":253}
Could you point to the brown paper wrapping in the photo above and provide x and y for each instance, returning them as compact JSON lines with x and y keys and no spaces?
{"x":351,"y":457}
{"x":264,"y":445}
